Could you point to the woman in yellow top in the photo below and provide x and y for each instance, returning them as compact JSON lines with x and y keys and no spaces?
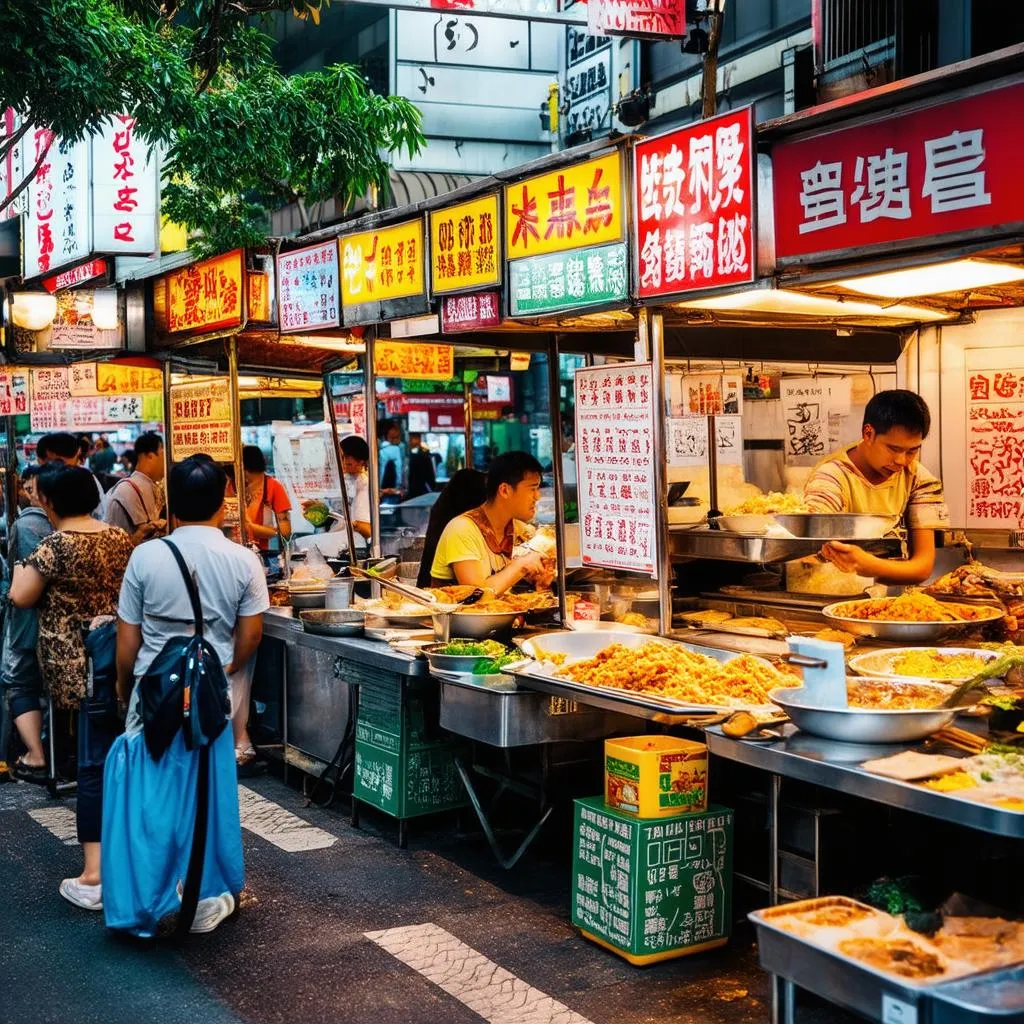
{"x":475,"y":548}
{"x":881,"y":475}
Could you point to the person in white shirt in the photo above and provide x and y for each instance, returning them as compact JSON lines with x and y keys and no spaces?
{"x":355,"y":457}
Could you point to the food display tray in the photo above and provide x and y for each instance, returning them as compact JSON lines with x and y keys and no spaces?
{"x":839,"y":979}
{"x":996,"y":997}
{"x":704,"y":542}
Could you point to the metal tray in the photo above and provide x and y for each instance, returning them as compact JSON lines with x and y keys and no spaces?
{"x":996,"y":997}
{"x":902,"y":632}
{"x":333,"y":622}
{"x":704,"y":542}
{"x":518,"y":718}
{"x":862,"y":725}
{"x":842,"y":527}
{"x":439,"y":662}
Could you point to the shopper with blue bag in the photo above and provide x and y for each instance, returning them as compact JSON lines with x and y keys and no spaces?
{"x":190,"y":610}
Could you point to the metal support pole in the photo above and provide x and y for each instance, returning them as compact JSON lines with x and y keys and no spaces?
{"x":554,"y":385}
{"x":664,"y":565}
{"x":370,"y":385}
{"x":168,"y":451}
{"x":236,"y":429}
{"x":467,"y":413}
{"x":713,"y":467}
{"x":345,"y":507}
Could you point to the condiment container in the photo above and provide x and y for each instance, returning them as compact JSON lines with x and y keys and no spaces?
{"x":339,"y":593}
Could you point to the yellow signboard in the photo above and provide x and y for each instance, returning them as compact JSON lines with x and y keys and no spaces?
{"x":207,"y":296}
{"x":413,"y":362}
{"x":383,"y":264}
{"x":201,"y":420}
{"x":118,"y":379}
{"x":464,"y":250}
{"x":573,"y":207}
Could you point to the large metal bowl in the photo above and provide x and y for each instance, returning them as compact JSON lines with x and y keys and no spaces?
{"x":307,"y":598}
{"x":479,"y":625}
{"x":746,"y":523}
{"x":907,"y":633}
{"x":844,"y":526}
{"x":451,"y":662}
{"x":333,"y":622}
{"x":861,"y":725}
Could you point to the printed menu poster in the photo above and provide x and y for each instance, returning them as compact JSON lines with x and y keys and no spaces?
{"x":201,"y":420}
{"x":615,"y":461}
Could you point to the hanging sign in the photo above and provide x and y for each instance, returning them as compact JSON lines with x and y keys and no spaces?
{"x":695,"y":206}
{"x":307,"y":288}
{"x":13,"y":392}
{"x":948,"y":169}
{"x":615,"y":461}
{"x":121,"y":379}
{"x":470,"y":312}
{"x":357,"y":415}
{"x":572,"y":208}
{"x":201,"y":420}
{"x":75,"y":325}
{"x":58,"y":222}
{"x":464,"y":249}
{"x":413,"y":361}
{"x":383,"y":264}
{"x":565,"y":281}
{"x":207,"y":295}
{"x":660,"y":18}
{"x":126,"y":190}
{"x":257,"y":297}
{"x":50,"y":396}
{"x":76,"y":276}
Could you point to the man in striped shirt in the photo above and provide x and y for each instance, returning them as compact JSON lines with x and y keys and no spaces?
{"x":881,"y":475}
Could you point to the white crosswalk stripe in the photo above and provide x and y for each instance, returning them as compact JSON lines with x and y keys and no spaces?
{"x":285,"y":830}
{"x":59,"y":821}
{"x":492,"y":992}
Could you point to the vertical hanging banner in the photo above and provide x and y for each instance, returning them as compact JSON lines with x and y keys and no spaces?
{"x":126,"y":190}
{"x":695,"y":206}
{"x":58,"y":222}
{"x":615,"y":460}
{"x":307,"y":288}
{"x":207,"y":295}
{"x":201,"y":420}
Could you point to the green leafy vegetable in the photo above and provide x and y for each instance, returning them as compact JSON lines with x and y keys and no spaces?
{"x":317,"y":513}
{"x":492,"y":666}
{"x":473,"y":648}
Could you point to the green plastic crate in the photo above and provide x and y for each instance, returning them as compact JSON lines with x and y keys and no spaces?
{"x":652,"y":888}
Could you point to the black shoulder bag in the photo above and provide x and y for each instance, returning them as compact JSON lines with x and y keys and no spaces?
{"x":186,"y":688}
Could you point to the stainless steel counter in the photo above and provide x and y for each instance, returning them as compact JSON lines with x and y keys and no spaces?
{"x":835,"y":765}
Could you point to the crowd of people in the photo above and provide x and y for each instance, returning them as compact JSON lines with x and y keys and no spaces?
{"x":99,"y":594}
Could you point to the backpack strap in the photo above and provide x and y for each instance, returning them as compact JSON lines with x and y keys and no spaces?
{"x":193,"y":593}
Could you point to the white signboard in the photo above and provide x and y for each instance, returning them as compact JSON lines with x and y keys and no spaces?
{"x":58,"y":222}
{"x":615,"y":459}
{"x":307,"y":288}
{"x":51,"y":395}
{"x":304,"y":462}
{"x":587,"y":85}
{"x":126,"y":191}
{"x":813,"y":410}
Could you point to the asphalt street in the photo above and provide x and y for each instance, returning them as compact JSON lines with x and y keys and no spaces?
{"x":338,"y":925}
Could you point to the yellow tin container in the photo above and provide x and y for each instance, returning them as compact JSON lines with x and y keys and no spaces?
{"x":655,"y":776}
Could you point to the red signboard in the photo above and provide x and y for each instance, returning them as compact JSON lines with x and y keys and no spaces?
{"x":75,"y":276}
{"x":470,"y":312}
{"x":695,"y":206}
{"x":948,"y":169}
{"x":662,"y":18}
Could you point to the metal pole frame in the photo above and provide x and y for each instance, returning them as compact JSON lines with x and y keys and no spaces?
{"x":370,"y":385}
{"x":236,"y":427}
{"x":555,"y":406}
{"x":657,"y":353}
{"x":346,"y":509}
{"x":168,"y":453}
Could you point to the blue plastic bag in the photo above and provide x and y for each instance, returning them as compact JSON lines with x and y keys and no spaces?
{"x":148,"y":816}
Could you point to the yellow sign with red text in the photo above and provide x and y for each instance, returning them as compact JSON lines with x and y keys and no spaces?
{"x":208,"y":295}
{"x":117,"y":379}
{"x":464,"y":246}
{"x":413,"y":362}
{"x":574,"y":207}
{"x":383,"y":264}
{"x":201,"y":420}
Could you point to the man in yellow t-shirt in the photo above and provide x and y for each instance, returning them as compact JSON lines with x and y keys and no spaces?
{"x":475,"y":548}
{"x":881,"y":475}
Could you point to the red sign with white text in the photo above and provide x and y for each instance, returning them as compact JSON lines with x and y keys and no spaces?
{"x":944,"y":170}
{"x":470,"y":312}
{"x":661,"y":18}
{"x":75,"y":276}
{"x":695,"y":206}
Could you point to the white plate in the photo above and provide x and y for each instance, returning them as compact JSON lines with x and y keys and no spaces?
{"x":879,"y":663}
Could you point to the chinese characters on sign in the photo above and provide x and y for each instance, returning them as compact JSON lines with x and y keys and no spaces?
{"x":615,"y":464}
{"x":75,"y":327}
{"x":570,"y":208}
{"x":75,"y":276}
{"x":201,"y":421}
{"x":258,"y":308}
{"x":561,"y":281}
{"x":416,"y":362}
{"x":662,"y":18}
{"x":122,"y":379}
{"x":126,"y":191}
{"x":50,"y":396}
{"x":695,"y":206}
{"x":947,"y":169}
{"x":82,"y":380}
{"x":587,"y":88}
{"x":995,"y":447}
{"x":206,"y":295}
{"x":464,"y":246}
{"x":307,"y":288}
{"x":688,"y":441}
{"x":58,"y":224}
{"x":814,"y":410}
{"x":13,"y":392}
{"x":384,"y":264}
{"x":470,"y":312}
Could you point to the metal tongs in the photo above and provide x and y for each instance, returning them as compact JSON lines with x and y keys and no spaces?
{"x":416,"y":595}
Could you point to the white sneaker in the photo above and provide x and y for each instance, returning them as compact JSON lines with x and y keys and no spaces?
{"x":88,"y":897}
{"x":211,"y":912}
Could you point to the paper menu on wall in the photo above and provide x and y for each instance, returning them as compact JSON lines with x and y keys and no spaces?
{"x":814,"y":412}
{"x":688,"y":441}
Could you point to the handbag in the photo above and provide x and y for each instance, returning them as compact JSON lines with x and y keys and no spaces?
{"x":185,"y":688}
{"x":100,"y":702}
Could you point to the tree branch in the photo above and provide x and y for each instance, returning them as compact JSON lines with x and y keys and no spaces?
{"x":28,"y":177}
{"x":13,"y":139}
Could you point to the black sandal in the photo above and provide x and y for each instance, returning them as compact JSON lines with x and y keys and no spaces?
{"x":30,"y":772}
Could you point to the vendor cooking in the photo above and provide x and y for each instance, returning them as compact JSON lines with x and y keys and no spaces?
{"x":476,"y":547}
{"x":881,"y":475}
{"x":355,"y":456}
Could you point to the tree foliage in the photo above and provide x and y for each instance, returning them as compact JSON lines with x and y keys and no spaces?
{"x":239,"y":137}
